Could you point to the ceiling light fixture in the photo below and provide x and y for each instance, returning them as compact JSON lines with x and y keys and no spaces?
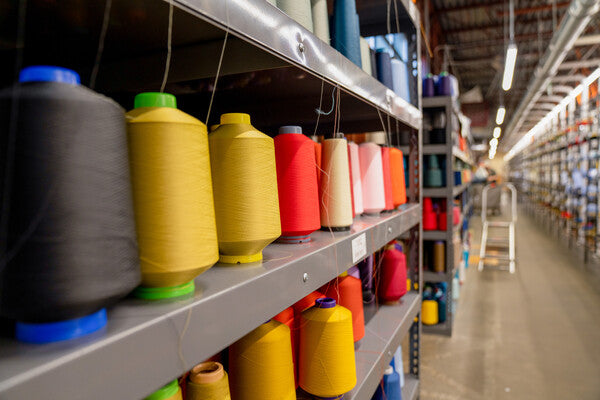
{"x":497,"y":132}
{"x":509,"y":66}
{"x":500,"y":115}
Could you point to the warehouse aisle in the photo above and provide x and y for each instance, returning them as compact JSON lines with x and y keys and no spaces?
{"x":532,"y":335}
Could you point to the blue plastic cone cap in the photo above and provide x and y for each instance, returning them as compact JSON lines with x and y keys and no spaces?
{"x":47,"y":73}
{"x":63,"y":330}
{"x":325,"y":302}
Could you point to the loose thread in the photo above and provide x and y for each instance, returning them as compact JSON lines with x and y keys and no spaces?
{"x":169,"y":39}
{"x":214,"y":90}
{"x":100,"y":50}
{"x":181,"y":336}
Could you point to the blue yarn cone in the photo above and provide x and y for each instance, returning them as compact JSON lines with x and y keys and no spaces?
{"x":389,"y":389}
{"x":346,"y":37}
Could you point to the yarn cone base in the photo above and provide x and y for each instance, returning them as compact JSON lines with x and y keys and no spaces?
{"x":227,"y":259}
{"x":160,"y":293}
{"x":294,"y":239}
{"x":62,"y":330}
{"x":336,"y":228}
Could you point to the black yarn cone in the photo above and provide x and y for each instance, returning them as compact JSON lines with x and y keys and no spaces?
{"x":69,"y":246}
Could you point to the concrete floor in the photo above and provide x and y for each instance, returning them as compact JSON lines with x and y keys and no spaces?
{"x":531,"y":335}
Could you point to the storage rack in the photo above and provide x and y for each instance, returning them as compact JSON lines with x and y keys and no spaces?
{"x":449,"y":192}
{"x":544,"y":175}
{"x":268,"y":59}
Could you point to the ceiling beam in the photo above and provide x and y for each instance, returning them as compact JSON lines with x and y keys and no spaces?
{"x":475,"y":28}
{"x":593,"y":63}
{"x":568,"y":78}
{"x":587,"y":40}
{"x":499,"y":40}
{"x":530,"y":10}
{"x":465,"y":7}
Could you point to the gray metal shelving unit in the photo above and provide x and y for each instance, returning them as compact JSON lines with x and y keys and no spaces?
{"x":449,"y":192}
{"x":145,"y":345}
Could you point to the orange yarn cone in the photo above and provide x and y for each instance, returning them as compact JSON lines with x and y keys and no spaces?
{"x":347,"y":292}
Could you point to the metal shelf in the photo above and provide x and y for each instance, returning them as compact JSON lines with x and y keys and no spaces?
{"x":139,"y":348}
{"x":434,"y":149}
{"x":439,"y":329}
{"x":429,"y":276}
{"x":462,"y":156}
{"x":459,"y":189}
{"x":435,"y":235}
{"x":435,"y":192}
{"x":441,"y":101}
{"x":410,"y":391}
{"x":383,"y":335}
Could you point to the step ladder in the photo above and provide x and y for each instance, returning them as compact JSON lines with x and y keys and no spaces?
{"x":497,"y":241}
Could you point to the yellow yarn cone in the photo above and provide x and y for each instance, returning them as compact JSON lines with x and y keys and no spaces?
{"x":327,"y":367}
{"x":245,"y":189}
{"x":172,"y":192}
{"x":261,"y":365}
{"x":429,"y":312}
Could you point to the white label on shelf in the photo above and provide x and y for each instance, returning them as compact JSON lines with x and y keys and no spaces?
{"x":359,"y":247}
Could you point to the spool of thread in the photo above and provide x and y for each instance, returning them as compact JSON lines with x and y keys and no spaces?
{"x":319,"y":164}
{"x":365,"y":56}
{"x":378,"y":137}
{"x":351,"y":183}
{"x":397,"y":176}
{"x":433,"y":175}
{"x":444,"y":85}
{"x":320,"y":20}
{"x":374,"y":64}
{"x":392,"y":278}
{"x":428,"y":86}
{"x":455,"y":215}
{"x":439,"y":256}
{"x":406,"y":171}
{"x":400,"y":77}
{"x":356,"y":178}
{"x":306,"y":303}
{"x":70,"y":222}
{"x":287,"y":317}
{"x":347,"y":292}
{"x":346,"y":37}
{"x":297,"y":185}
{"x":327,"y":364}
{"x":170,"y":391}
{"x":208,"y":381}
{"x":298,"y":10}
{"x":429,"y":312}
{"x":261,"y":366}
{"x":365,"y":268}
{"x":442,"y":309}
{"x":172,"y":193}
{"x":389,"y":389}
{"x":242,"y":160}
{"x":442,"y":221}
{"x":371,"y":173}
{"x":336,"y":200}
{"x":387,"y":178}
{"x":353,"y":271}
{"x":384,"y":68}
{"x":430,"y":219}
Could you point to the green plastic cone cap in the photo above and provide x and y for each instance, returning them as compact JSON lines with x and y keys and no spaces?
{"x":154,"y":99}
{"x":433,"y":162}
{"x":165,"y":392}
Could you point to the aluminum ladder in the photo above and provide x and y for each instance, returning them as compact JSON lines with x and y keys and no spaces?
{"x":510,"y":224}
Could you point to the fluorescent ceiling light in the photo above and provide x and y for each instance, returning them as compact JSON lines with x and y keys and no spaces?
{"x":497,"y":132}
{"x":500,"y":115}
{"x":494,"y":142}
{"x":509,"y":66}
